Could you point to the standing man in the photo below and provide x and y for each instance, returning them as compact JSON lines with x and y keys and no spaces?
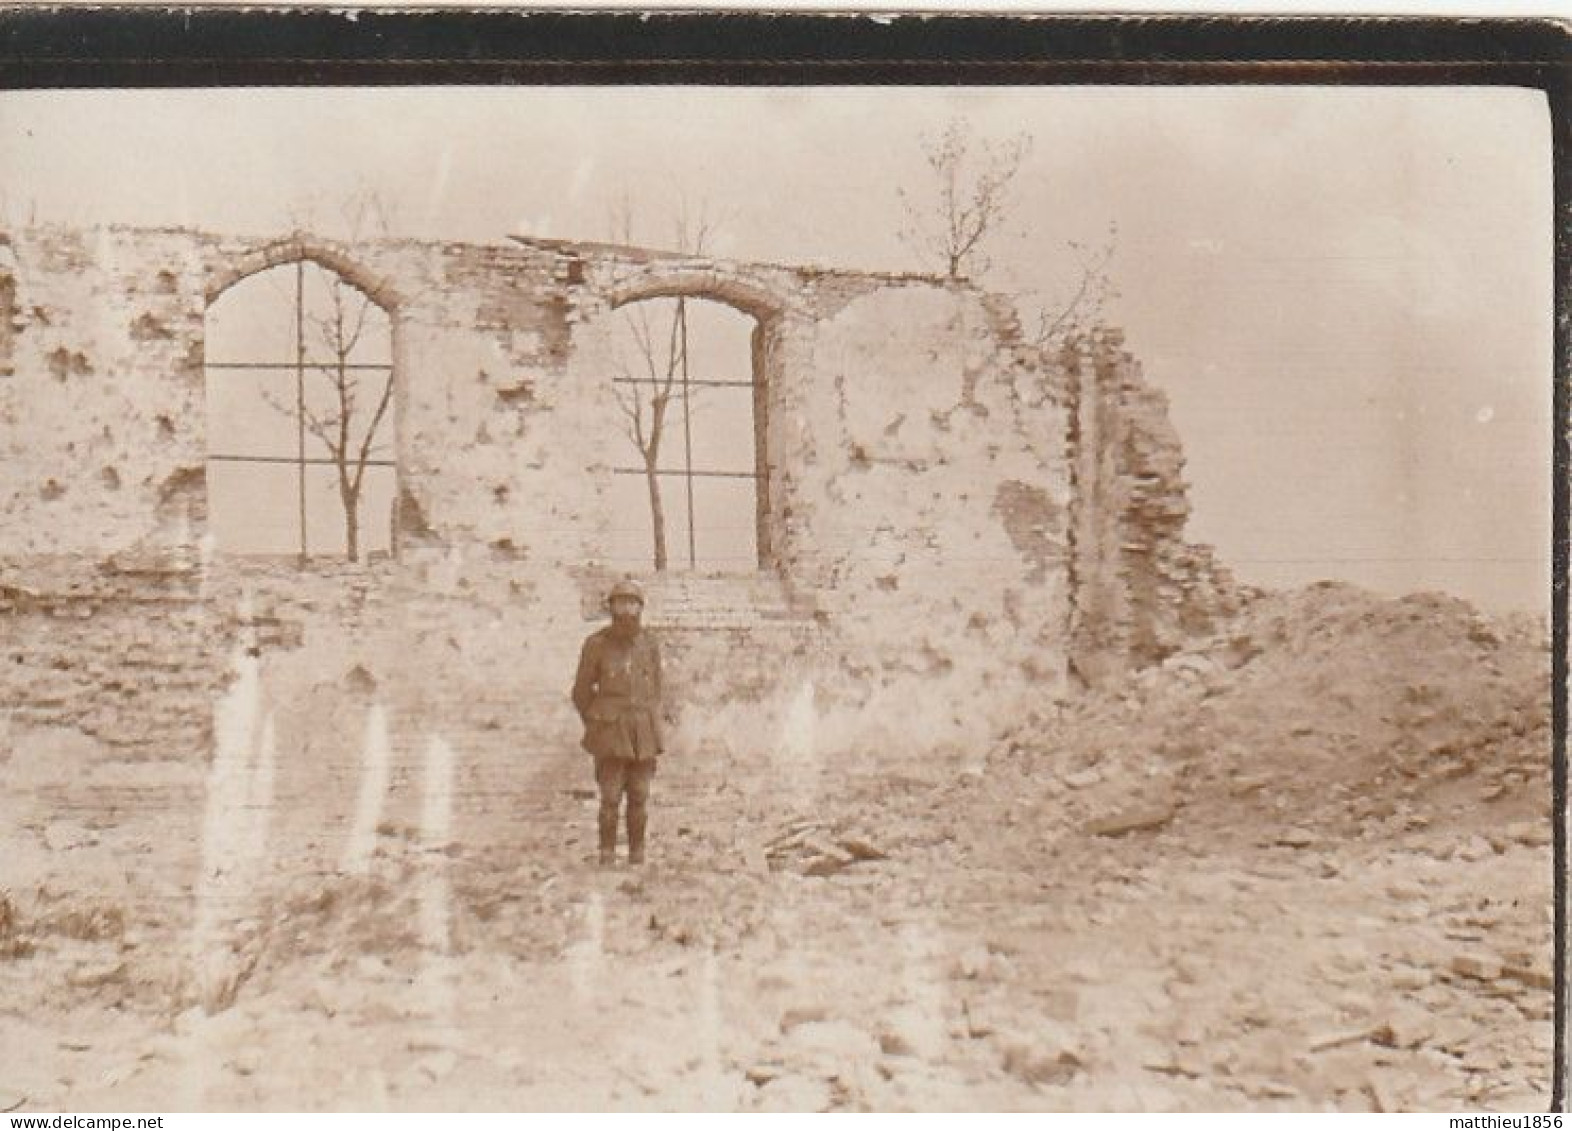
{"x":618,"y":695}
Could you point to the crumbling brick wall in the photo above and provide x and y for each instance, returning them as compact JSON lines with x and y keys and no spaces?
{"x":943,"y":537}
{"x":1141,"y":588}
{"x":89,"y":646}
{"x":101,"y":434}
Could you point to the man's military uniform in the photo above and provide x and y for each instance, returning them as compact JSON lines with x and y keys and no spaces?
{"x":618,"y":695}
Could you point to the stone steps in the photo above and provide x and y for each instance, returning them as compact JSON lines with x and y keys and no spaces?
{"x":707,"y":603}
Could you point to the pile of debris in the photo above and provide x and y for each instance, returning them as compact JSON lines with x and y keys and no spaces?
{"x":14,"y":941}
{"x":1329,"y":703}
{"x":816,"y":847}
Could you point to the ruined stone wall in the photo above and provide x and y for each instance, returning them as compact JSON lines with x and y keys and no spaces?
{"x":485,"y":424}
{"x":101,"y":435}
{"x":929,"y":508}
{"x":89,"y":647}
{"x":101,"y":422}
{"x":1141,"y":588}
{"x":918,"y":497}
{"x":949,"y":516}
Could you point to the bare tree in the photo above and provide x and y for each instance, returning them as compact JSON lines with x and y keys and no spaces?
{"x":347,"y":425}
{"x":967,"y":202}
{"x":1063,"y":316}
{"x":341,"y":330}
{"x":658,"y":371}
{"x":968,"y":199}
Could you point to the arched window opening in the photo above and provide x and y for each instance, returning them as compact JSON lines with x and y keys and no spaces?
{"x":299,"y":374}
{"x":689,"y":494}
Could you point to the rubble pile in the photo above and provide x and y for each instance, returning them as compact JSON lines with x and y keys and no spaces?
{"x":1302,"y":864}
{"x":1327,"y":707}
{"x":817,"y":848}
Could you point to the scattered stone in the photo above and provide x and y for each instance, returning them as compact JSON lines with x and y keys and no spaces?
{"x":320,"y":998}
{"x":1541,"y":1009}
{"x":1524,"y":1098}
{"x":1452,"y":1034}
{"x":1410,"y":978}
{"x":761,"y":1074}
{"x":1531,"y":834}
{"x":795,"y":1093}
{"x":1246,"y":784}
{"x":1137,"y":818}
{"x":83,"y":920}
{"x":98,"y":974}
{"x":1405,"y":1028}
{"x":1381,"y":1099}
{"x":246,"y":1062}
{"x":1269,"y":1089}
{"x":1049,"y":1056}
{"x":219,"y":983}
{"x":977,"y":1022}
{"x":1474,"y":849}
{"x":791,"y":836}
{"x":1083,"y":779}
{"x":825,"y":865}
{"x":824,"y":846}
{"x":974,"y":962}
{"x":1294,"y":838}
{"x":1339,"y":1038}
{"x":862,"y":849}
{"x":432,"y":1041}
{"x":892,"y":1042}
{"x":1529,"y":975}
{"x":1407,"y":890}
{"x":912,"y":1031}
{"x":1174,"y":1065}
{"x":1479,"y":966}
{"x":802,"y":1015}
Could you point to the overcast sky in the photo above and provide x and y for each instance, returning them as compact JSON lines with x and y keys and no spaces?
{"x":1345,"y":292}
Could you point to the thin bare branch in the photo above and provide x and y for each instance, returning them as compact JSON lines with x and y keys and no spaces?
{"x":971,"y":179}
{"x":632,"y":406}
{"x":1091,"y":292}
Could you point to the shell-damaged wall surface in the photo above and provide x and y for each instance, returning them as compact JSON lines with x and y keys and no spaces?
{"x":958,"y":529}
{"x":1141,"y":590}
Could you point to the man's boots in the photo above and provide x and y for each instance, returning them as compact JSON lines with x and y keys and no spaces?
{"x":637,"y":820}
{"x":608,"y":838}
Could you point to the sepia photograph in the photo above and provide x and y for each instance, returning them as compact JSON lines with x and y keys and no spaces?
{"x":776,"y":598}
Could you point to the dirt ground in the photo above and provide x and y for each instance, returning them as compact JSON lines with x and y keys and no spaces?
{"x":1304,"y":865}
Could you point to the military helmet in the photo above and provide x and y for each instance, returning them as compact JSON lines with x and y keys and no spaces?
{"x":627,"y":587}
